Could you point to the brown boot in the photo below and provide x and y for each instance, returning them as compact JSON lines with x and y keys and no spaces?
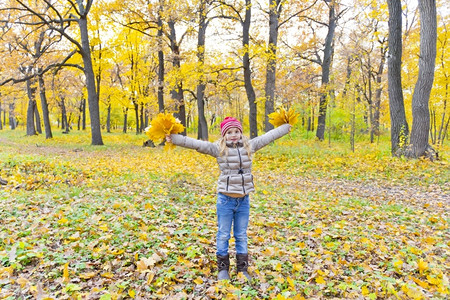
{"x":223,"y":264}
{"x":242,"y":265}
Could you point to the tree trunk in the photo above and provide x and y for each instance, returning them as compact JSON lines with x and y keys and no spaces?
{"x":177,"y":90}
{"x":142,"y":118}
{"x":37,"y":118}
{"x":64,"y":121}
{"x":80,"y":114}
{"x":84,"y":115}
{"x":108,"y":119}
{"x":399,"y":126}
{"x":45,"y":111}
{"x":420,"y":110}
{"x":1,"y":124}
{"x":326,"y":66}
{"x":202,"y":133}
{"x":146,"y":116}
{"x":125,"y":120}
{"x":12,"y":117}
{"x":248,"y":72}
{"x":378,"y":91}
{"x":69,"y":122}
{"x":160,"y":63}
{"x":369,"y":98}
{"x":93,"y":100}
{"x":31,"y":91}
{"x":433,"y":129}
{"x":275,"y":7}
{"x":136,"y":113}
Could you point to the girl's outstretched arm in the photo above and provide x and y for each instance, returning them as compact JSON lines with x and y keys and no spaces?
{"x":204,"y":147}
{"x":270,"y":136}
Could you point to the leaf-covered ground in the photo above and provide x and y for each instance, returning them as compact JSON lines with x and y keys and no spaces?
{"x":123,"y":221}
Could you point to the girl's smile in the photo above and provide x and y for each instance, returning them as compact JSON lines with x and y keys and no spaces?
{"x":233,"y":135}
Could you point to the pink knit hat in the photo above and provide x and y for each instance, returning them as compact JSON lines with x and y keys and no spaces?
{"x":229,"y":122}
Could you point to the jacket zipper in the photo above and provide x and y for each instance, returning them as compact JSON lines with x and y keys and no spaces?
{"x":240,"y":169}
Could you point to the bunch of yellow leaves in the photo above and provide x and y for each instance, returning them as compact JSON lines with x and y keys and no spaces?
{"x":282,"y":116}
{"x":163,"y":124}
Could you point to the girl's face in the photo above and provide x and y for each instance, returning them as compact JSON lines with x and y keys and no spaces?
{"x":233,"y":135}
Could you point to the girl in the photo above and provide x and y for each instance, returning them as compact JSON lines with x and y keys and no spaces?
{"x":233,"y":153}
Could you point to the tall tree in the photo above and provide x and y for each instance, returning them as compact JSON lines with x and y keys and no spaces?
{"x":31,"y":92}
{"x":176,"y":91}
{"x":85,"y":50}
{"x":251,"y":96}
{"x":326,"y":66}
{"x":275,"y":7}
{"x":44,"y":105}
{"x":203,"y":22}
{"x":323,"y":60}
{"x":160,"y":58}
{"x":399,"y":126}
{"x":275,"y":23}
{"x":421,"y":96}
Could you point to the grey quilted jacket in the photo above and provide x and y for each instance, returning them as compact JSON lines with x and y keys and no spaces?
{"x":235,"y":168}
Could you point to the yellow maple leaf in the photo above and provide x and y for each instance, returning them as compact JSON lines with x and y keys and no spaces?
{"x":66,"y":273}
{"x":163,"y":124}
{"x":63,"y":221}
{"x":423,"y":265}
{"x":108,"y":275}
{"x":398,"y":263}
{"x":421,"y":283}
{"x":143,"y":236}
{"x":365,"y":291}
{"x":320,"y":280}
{"x":433,"y":280}
{"x":280,"y":280}
{"x":297,"y":267}
{"x":141,"y":266}
{"x":87,"y":275}
{"x":282,"y":116}
{"x":151,"y":275}
{"x":291,"y":282}
{"x":132,"y":293}
{"x":198,"y":280}
{"x":321,"y":272}
{"x":278,"y":267}
{"x":301,"y":245}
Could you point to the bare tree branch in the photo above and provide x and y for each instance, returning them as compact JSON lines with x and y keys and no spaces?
{"x":43,"y":71}
{"x":296,"y":14}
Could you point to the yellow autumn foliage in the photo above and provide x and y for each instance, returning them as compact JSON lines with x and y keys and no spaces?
{"x":163,"y":124}
{"x":282,"y":116}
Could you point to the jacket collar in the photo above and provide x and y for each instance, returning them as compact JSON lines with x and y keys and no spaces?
{"x":238,"y":144}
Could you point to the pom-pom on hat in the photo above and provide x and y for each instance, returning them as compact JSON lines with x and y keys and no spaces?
{"x":229,"y":122}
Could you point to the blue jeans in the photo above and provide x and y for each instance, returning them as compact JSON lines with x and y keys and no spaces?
{"x":230,"y":211}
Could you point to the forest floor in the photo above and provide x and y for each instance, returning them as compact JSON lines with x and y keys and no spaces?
{"x":123,"y":221}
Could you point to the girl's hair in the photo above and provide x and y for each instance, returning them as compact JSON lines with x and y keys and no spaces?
{"x":223,"y":149}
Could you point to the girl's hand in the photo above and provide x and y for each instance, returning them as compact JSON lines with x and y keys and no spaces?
{"x":290,"y":127}
{"x":168,"y":138}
